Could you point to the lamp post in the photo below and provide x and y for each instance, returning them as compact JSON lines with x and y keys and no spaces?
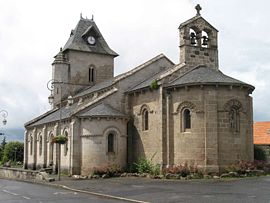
{"x":4,"y":114}
{"x":51,"y":85}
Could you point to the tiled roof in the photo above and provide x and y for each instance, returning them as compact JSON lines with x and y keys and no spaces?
{"x":205,"y":75}
{"x":261,"y":133}
{"x":76,"y":41}
{"x":102,"y":110}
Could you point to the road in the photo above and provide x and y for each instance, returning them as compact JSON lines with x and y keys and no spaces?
{"x":247,"y":190}
{"x":22,"y":192}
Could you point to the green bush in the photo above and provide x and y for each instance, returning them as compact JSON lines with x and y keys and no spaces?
{"x":146,"y":166}
{"x":259,"y":153}
{"x":154,"y":85}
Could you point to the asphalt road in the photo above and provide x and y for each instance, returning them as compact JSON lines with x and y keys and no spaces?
{"x":22,"y":192}
{"x":247,"y":190}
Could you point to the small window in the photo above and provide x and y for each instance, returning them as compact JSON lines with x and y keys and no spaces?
{"x":145,"y":119}
{"x":234,"y":120}
{"x":187,"y":120}
{"x":91,"y":74}
{"x":111,"y":143}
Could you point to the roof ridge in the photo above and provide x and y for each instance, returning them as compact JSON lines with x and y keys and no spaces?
{"x":196,"y":67}
{"x":79,"y":109}
{"x":137,"y":68}
{"x":40,"y":117}
{"x":193,"y":19}
{"x":142,"y":82}
{"x":172,"y":70}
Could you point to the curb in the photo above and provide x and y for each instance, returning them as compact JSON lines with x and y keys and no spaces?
{"x":79,"y":191}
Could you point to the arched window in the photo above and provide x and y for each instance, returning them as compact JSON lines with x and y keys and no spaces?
{"x":31,"y":145}
{"x":40,"y":145}
{"x":193,"y":37}
{"x":145,"y":120}
{"x":204,"y":39}
{"x":234,"y":119}
{"x":91,"y":74}
{"x":111,"y":148}
{"x":66,"y":144}
{"x":186,"y":120}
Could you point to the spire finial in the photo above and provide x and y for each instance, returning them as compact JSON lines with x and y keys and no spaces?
{"x":81,"y":15}
{"x":198,"y":8}
{"x":92,"y":17}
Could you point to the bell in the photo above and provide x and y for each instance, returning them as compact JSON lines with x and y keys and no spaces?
{"x":192,"y":38}
{"x":205,"y":41}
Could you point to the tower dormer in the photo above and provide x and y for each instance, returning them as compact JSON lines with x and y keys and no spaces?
{"x":198,"y":42}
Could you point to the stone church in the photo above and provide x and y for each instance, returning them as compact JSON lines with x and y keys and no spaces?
{"x":189,"y":112}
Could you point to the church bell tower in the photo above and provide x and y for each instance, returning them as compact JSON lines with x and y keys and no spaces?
{"x":198,"y":42}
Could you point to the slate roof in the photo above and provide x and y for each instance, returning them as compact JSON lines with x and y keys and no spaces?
{"x":146,"y":83}
{"x":96,"y":87}
{"x":261,"y":133}
{"x":205,"y":75}
{"x":54,"y":116}
{"x":76,"y":41}
{"x":102,"y":110}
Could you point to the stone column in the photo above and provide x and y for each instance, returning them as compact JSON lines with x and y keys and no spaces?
{"x":34,"y":148}
{"x":44,"y":146}
{"x":75,"y":139}
{"x":211,"y":130}
{"x":25,"y":157}
{"x":55,"y":150}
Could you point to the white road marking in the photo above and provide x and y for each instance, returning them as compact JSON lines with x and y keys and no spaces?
{"x":11,"y":193}
{"x":26,"y":197}
{"x":64,"y":193}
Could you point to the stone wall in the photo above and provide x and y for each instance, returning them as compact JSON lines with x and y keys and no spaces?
{"x":94,"y":143}
{"x":210,"y":143}
{"x":15,"y":173}
{"x":147,"y":143}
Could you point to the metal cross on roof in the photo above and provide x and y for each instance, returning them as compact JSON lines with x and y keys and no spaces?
{"x":198,"y":8}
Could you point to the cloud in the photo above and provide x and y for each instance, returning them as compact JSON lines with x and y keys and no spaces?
{"x":31,"y":33}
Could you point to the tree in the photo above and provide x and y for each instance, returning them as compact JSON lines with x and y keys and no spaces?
{"x":2,"y":147}
{"x":13,"y":151}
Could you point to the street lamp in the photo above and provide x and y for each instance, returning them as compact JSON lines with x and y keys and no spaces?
{"x":51,"y":85}
{"x":4,"y":114}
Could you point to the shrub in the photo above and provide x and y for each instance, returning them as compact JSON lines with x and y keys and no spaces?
{"x":144,"y":166}
{"x":154,"y":85}
{"x":259,"y":153}
{"x":243,"y":166}
{"x":111,"y":170}
{"x":182,"y":169}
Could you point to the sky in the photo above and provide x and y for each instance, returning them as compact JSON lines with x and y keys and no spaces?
{"x":32,"y":32}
